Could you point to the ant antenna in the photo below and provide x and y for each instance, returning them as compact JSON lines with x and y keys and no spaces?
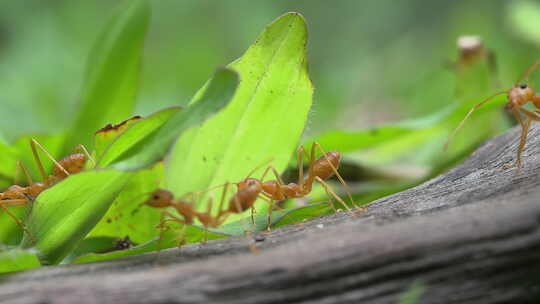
{"x":266,"y":163}
{"x":528,"y":71}
{"x":467,"y":116}
{"x":83,"y":149}
{"x":33,"y":144}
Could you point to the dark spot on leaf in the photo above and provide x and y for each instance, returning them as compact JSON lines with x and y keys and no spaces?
{"x":111,"y":127}
{"x":109,"y":220}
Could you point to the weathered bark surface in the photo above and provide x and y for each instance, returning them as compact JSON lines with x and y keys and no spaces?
{"x":469,"y":236}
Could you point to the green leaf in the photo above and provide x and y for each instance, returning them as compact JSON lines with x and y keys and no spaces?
{"x":127,"y":217}
{"x":154,"y":147}
{"x":153,"y":245}
{"x":264,"y":120}
{"x":16,"y":259}
{"x":419,"y":141}
{"x":64,"y":214}
{"x":10,"y":232}
{"x":8,"y":158}
{"x":112,"y":75}
{"x":113,"y":149}
{"x":414,"y":293}
{"x":91,"y":245}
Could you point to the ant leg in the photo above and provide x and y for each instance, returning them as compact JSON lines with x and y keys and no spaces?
{"x":14,"y":202}
{"x":253,"y":214}
{"x":33,"y":144}
{"x":239,"y":210}
{"x":529,"y":114}
{"x":300,"y":164}
{"x":269,"y":214}
{"x":16,"y":176}
{"x":466,"y":117}
{"x":172,"y":218}
{"x":19,"y":222}
{"x":260,"y":166}
{"x":38,"y":160}
{"x":339,"y":177}
{"x":162,"y":228}
{"x":270,"y":201}
{"x":25,"y":171}
{"x":522,"y":140}
{"x":83,"y":149}
{"x":331,"y":193}
{"x":222,"y":214}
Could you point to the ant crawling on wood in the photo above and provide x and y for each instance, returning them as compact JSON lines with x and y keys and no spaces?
{"x":518,"y":95}
{"x":18,"y":196}
{"x":250,"y":189}
{"x":319,"y":170}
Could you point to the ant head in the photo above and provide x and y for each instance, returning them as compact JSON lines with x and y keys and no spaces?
{"x":160,"y":199}
{"x":249,"y":183}
{"x":519,"y":95}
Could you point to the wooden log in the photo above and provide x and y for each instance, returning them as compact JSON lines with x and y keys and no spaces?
{"x":469,"y":236}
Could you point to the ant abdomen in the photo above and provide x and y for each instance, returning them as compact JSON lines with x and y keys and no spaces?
{"x":324,"y":167}
{"x":72,"y":164}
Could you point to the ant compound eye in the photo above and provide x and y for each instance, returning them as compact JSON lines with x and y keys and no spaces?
{"x":251,"y":183}
{"x":523,"y":86}
{"x":155,"y":196}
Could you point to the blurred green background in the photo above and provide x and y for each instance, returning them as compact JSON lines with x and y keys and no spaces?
{"x":371,"y":61}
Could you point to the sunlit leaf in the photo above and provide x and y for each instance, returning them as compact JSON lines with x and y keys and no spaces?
{"x":264,"y":120}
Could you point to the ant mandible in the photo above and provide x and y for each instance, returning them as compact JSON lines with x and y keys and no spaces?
{"x":18,"y":196}
{"x":518,"y":95}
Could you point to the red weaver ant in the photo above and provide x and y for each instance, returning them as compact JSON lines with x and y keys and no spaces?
{"x":518,"y":96}
{"x":18,"y":196}
{"x":319,"y":170}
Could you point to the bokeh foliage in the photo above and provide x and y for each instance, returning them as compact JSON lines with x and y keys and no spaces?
{"x":386,"y":98}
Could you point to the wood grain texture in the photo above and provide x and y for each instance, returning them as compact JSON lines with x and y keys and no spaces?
{"x":471,"y":235}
